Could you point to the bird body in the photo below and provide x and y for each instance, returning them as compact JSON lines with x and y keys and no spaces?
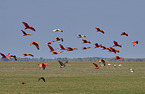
{"x":51,"y":48}
{"x":24,"y":33}
{"x":4,"y":56}
{"x":14,"y":56}
{"x":43,"y":65}
{"x":62,"y":64}
{"x":99,"y":30}
{"x":81,"y":36}
{"x":84,"y":48}
{"x":62,"y":48}
{"x":85,"y":41}
{"x":116,"y":44}
{"x":57,"y":52}
{"x":103,"y":61}
{"x":123,"y":33}
{"x":71,"y":49}
{"x":96,"y":45}
{"x":51,"y":42}
{"x":56,"y":30}
{"x":58,"y":39}
{"x":28,"y":55}
{"x":117,"y":57}
{"x":135,"y":42}
{"x":41,"y":78}
{"x":97,"y":67}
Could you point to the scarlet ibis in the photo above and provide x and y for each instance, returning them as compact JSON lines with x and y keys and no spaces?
{"x":51,"y":48}
{"x":116,"y":44}
{"x":51,"y":42}
{"x":43,"y":65}
{"x":103,"y":61}
{"x":70,"y":49}
{"x":28,"y":55}
{"x":117,"y":57}
{"x":123,"y":33}
{"x":61,"y":46}
{"x":58,"y":39}
{"x":96,"y":45}
{"x":36,"y":44}
{"x":27,"y":26}
{"x":57,"y":52}
{"x":97,"y":67}
{"x":99,"y":30}
{"x":4,"y":56}
{"x":85,"y":41}
{"x":135,"y":42}
{"x":84,"y":48}
{"x":24,"y":33}
{"x":14,"y":56}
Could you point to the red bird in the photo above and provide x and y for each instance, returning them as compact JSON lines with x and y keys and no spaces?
{"x":123,"y":33}
{"x":135,"y":42}
{"x":97,"y":67}
{"x":99,"y":30}
{"x":117,"y":57}
{"x":58,"y":39}
{"x":28,"y":55}
{"x":84,"y":48}
{"x":96,"y":45}
{"x":24,"y":33}
{"x":116,"y":44}
{"x":14,"y":56}
{"x":113,"y":50}
{"x":85,"y":41}
{"x":36,"y":44}
{"x":51,"y":42}
{"x":70,"y":49}
{"x":27,"y":26}
{"x":51,"y":48}
{"x":57,"y":52}
{"x":103,"y":61}
{"x":62,"y":48}
{"x":4,"y":56}
{"x":43,"y":65}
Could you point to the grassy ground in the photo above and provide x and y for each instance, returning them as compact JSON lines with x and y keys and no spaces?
{"x":75,"y":78}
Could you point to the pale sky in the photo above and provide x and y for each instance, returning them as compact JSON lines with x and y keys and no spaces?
{"x":74,"y":17}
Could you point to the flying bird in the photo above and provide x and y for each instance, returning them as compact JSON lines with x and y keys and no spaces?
{"x":51,"y":42}
{"x":57,"y":52}
{"x":81,"y":36}
{"x":70,"y":49}
{"x":62,"y":64}
{"x":36,"y":44}
{"x":96,"y":45}
{"x":117,"y":57}
{"x":24,"y":33}
{"x":41,"y":78}
{"x":85,"y":41}
{"x":103,"y":61}
{"x":84,"y":48}
{"x":123,"y":33}
{"x":113,"y":50}
{"x":51,"y":48}
{"x":62,"y":48}
{"x":97,"y":67}
{"x":27,"y":26}
{"x":14,"y":56}
{"x":116,"y":44}
{"x":43,"y":65}
{"x":4,"y":56}
{"x":99,"y":30}
{"x":135,"y":42}
{"x":58,"y":39}
{"x":56,"y":30}
{"x":28,"y":55}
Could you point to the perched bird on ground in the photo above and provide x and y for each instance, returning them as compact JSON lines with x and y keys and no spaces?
{"x":51,"y":42}
{"x":41,"y":78}
{"x":99,"y":30}
{"x":131,"y":70}
{"x":123,"y":33}
{"x":85,"y":41}
{"x":135,"y":42}
{"x":117,"y":57}
{"x":14,"y":56}
{"x":36,"y":44}
{"x":71,"y":49}
{"x":103,"y":61}
{"x":81,"y":36}
{"x":62,"y":48}
{"x":97,"y":67}
{"x":28,"y":55}
{"x":56,"y":30}
{"x":27,"y":26}
{"x":62,"y":64}
{"x":24,"y":33}
{"x":57,"y":52}
{"x":58,"y":39}
{"x":4,"y":56}
{"x":51,"y":48}
{"x":43,"y":65}
{"x":116,"y":44}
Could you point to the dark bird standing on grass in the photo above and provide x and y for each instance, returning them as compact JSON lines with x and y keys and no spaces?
{"x":62,"y":64}
{"x":41,"y":78}
{"x":27,"y":26}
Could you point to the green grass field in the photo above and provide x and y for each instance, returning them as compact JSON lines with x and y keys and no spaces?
{"x":75,"y":78}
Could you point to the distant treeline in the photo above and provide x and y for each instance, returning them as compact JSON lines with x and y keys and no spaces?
{"x":88,"y":59}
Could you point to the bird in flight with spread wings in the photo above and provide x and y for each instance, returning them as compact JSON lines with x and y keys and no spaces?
{"x":28,"y":27}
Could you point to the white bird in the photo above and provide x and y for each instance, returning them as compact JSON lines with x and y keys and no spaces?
{"x":81,"y":36}
{"x":119,"y":65}
{"x":56,"y":30}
